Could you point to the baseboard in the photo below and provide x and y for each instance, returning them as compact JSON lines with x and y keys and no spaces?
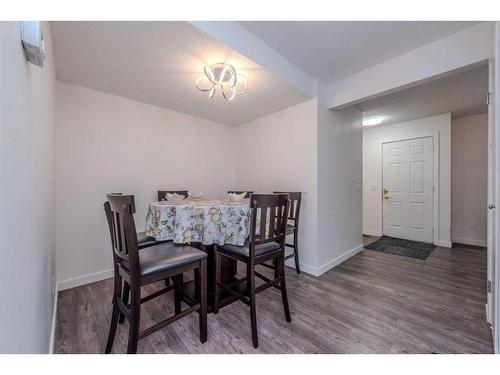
{"x":54,"y":322}
{"x":443,"y":243}
{"x":342,"y":258}
{"x":372,"y":233}
{"x":311,"y":270}
{"x":318,"y":271}
{"x":469,"y":241}
{"x":85,"y":279}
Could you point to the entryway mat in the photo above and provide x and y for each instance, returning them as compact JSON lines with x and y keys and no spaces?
{"x":398,"y":246}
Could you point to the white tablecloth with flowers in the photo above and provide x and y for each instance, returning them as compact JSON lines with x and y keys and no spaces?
{"x":209,"y":222}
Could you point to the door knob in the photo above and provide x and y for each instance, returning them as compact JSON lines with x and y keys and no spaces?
{"x":491,"y":206}
{"x":385,"y":194}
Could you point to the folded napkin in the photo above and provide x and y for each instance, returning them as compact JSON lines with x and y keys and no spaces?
{"x":174,"y":197}
{"x":236,"y":197}
{"x":195,"y":196}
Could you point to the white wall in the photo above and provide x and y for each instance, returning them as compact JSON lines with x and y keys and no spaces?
{"x":311,"y":149}
{"x":106,"y":143}
{"x":469,"y":174}
{"x":27,"y":195}
{"x":277,"y":152}
{"x":372,"y":169}
{"x":339,"y":184}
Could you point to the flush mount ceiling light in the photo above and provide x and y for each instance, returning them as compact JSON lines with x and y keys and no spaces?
{"x":373,"y":120}
{"x":224,"y":77}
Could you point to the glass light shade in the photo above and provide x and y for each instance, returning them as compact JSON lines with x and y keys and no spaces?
{"x":224,"y":77}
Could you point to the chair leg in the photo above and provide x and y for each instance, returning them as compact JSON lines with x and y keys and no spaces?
{"x":217,"y":259}
{"x":115,"y":314}
{"x":296,"y":250}
{"x":281,"y":265}
{"x":196,"y":282}
{"x":253,"y":312}
{"x":135,"y":318}
{"x":125,"y":296}
{"x":178,"y":282}
{"x":203,"y":300}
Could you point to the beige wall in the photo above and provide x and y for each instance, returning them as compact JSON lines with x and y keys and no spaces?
{"x":27,"y":195}
{"x":277,"y":152}
{"x":373,"y":138}
{"x":469,"y":168}
{"x":108,"y":143}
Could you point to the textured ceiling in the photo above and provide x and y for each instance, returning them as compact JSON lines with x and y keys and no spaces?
{"x":158,"y":63}
{"x":334,"y":49}
{"x":462,"y":94}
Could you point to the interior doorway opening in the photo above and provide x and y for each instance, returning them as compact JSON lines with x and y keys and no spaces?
{"x":427,"y":167}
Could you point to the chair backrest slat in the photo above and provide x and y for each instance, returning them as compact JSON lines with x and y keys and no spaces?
{"x":272,"y":221}
{"x":263,"y":219}
{"x":163,"y":193}
{"x":272,"y":211}
{"x":247,"y":195}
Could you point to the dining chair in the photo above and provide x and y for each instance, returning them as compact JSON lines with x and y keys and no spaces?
{"x":247,"y":195}
{"x":266,"y":242}
{"x":143,"y":241}
{"x":163,"y":193}
{"x":293,"y":228}
{"x":139,"y":268}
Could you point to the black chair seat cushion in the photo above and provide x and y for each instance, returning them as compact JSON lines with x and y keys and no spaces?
{"x":143,"y":240}
{"x":167,"y":256}
{"x":290,"y":229}
{"x":245,"y":250}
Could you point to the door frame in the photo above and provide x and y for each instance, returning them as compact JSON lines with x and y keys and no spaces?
{"x":435,"y":176}
{"x":496,"y":195}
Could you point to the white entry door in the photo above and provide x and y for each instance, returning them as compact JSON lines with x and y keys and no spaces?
{"x":407,"y":180}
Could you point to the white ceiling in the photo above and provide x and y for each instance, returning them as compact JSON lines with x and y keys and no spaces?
{"x":158,"y":63}
{"x":462,"y":94}
{"x":332,"y":50}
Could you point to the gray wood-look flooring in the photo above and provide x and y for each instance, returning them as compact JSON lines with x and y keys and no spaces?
{"x":373,"y":303}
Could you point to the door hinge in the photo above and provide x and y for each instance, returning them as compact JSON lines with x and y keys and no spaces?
{"x":488,"y":98}
{"x":488,"y":286}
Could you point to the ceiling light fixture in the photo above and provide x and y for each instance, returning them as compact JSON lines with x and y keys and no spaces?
{"x":373,"y":120}
{"x":224,"y":77}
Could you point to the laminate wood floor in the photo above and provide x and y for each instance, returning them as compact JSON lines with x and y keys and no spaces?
{"x":373,"y":303}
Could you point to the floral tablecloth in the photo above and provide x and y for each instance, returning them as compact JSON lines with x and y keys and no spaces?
{"x":209,"y":222}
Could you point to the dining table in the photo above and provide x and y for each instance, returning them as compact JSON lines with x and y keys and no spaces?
{"x":203,"y":224}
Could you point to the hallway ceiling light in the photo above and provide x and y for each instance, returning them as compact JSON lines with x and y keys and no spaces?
{"x":373,"y":120}
{"x":224,"y":77}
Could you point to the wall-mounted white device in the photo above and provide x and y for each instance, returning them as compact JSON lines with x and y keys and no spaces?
{"x":32,"y":40}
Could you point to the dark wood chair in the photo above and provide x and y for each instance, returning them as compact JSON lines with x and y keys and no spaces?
{"x":247,"y":195}
{"x":268,"y":244}
{"x":139,"y":268}
{"x":293,"y":225}
{"x":163,"y":193}
{"x":143,"y":241}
